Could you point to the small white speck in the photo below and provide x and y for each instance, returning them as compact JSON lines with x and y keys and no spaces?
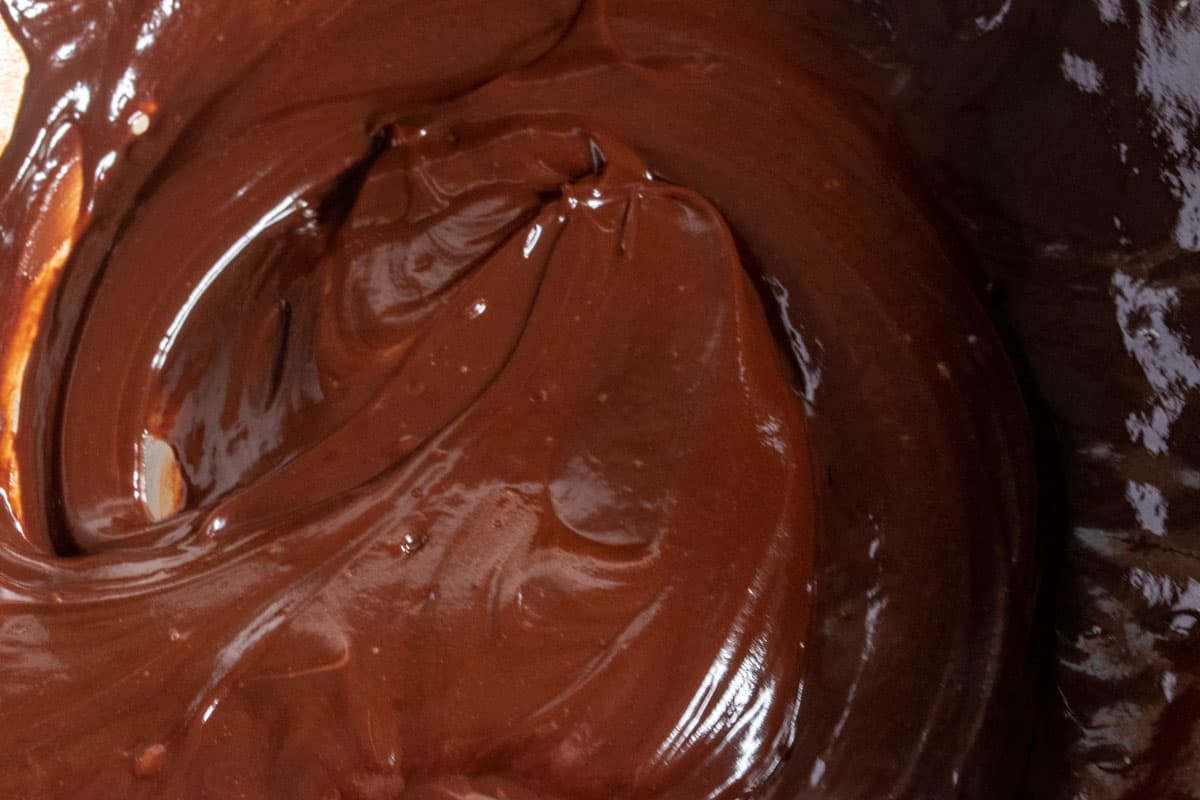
{"x":531,"y":240}
{"x":1110,"y":11}
{"x":1169,"y":684}
{"x":1083,"y":73}
{"x":818,"y":772}
{"x":1189,"y":478}
{"x":1149,"y":507}
{"x":139,"y":123}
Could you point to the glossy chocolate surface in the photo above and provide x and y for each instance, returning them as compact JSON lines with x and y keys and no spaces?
{"x":1064,"y":138}
{"x":509,"y":400}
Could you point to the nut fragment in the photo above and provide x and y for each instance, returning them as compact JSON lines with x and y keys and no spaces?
{"x":160,"y":482}
{"x":139,"y":123}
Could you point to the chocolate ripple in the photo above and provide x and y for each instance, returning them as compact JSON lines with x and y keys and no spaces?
{"x":553,"y":400}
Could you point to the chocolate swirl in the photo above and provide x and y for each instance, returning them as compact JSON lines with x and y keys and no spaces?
{"x":547,"y":400}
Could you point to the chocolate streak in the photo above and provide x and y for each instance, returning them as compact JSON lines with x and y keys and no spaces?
{"x":500,"y":399}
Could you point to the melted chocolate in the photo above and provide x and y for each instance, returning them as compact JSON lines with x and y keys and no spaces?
{"x":511,"y":400}
{"x":1065,"y":140}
